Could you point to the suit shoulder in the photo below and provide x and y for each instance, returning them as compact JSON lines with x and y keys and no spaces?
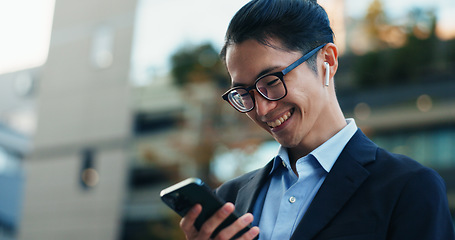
{"x":401,"y":168}
{"x":398,"y":162}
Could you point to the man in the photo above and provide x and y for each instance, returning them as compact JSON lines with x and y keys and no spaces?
{"x":328,"y":181}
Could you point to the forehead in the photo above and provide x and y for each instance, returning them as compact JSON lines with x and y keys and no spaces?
{"x":248,"y":60}
{"x":249,"y":51}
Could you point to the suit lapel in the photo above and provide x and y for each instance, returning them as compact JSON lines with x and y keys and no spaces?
{"x":247,"y":194}
{"x":341,"y":183}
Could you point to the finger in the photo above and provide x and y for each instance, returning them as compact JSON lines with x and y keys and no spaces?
{"x":214,"y":221}
{"x":187,"y":222}
{"x":237,"y":226}
{"x":251,"y":234}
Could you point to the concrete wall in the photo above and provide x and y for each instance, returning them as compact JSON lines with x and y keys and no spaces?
{"x":82,"y":103}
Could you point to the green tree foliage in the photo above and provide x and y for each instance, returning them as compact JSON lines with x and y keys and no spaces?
{"x":193,"y":64}
{"x":422,"y":58}
{"x":375,"y":19}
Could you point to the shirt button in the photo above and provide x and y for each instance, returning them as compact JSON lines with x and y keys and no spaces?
{"x":292,"y":199}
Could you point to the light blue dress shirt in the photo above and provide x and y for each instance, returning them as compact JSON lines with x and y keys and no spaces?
{"x":284,"y":200}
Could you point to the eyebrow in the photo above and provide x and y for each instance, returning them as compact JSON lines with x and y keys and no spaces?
{"x":262,"y":73}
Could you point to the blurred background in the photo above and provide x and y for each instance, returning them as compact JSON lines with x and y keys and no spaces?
{"x":104,"y":103}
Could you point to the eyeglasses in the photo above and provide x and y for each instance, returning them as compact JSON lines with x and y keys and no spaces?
{"x":271,"y":86}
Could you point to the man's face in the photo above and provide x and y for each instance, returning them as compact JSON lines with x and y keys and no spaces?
{"x":293,"y":121}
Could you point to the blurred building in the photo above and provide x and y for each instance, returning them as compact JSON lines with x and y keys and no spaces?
{"x":158,"y":112}
{"x":14,"y":144}
{"x":74,"y":114}
{"x":17,"y":106}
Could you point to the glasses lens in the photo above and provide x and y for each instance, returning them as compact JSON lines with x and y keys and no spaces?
{"x":271,"y":87}
{"x":240,"y":99}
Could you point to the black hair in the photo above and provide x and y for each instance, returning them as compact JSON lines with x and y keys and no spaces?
{"x":300,"y":25}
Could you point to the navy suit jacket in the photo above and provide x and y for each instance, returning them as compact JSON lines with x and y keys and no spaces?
{"x":369,"y":194}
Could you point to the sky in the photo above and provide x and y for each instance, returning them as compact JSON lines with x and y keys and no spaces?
{"x":25,"y":27}
{"x":162,"y":26}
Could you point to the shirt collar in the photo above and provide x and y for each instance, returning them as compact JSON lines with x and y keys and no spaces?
{"x":327,"y":153}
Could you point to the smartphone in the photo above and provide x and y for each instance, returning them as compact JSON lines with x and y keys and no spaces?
{"x":182,"y":196}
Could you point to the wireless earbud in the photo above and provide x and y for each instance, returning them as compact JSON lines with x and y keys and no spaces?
{"x":327,"y":73}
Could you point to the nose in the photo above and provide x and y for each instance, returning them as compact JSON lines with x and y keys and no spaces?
{"x":262,"y":105}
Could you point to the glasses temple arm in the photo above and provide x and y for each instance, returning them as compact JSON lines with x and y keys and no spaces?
{"x":301,"y":60}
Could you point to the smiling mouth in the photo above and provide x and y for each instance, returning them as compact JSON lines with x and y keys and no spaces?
{"x":280,"y":120}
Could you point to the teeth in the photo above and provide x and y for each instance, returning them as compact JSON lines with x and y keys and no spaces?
{"x":280,"y":120}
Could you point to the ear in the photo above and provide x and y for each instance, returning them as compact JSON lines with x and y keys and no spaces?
{"x":330,"y":56}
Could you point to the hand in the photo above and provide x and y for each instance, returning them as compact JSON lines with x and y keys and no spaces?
{"x":191,"y":233}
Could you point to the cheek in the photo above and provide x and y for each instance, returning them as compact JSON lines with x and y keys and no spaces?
{"x":300,"y":95}
{"x":306,"y":96}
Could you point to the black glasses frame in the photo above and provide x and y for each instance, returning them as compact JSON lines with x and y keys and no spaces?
{"x":280,"y":76}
